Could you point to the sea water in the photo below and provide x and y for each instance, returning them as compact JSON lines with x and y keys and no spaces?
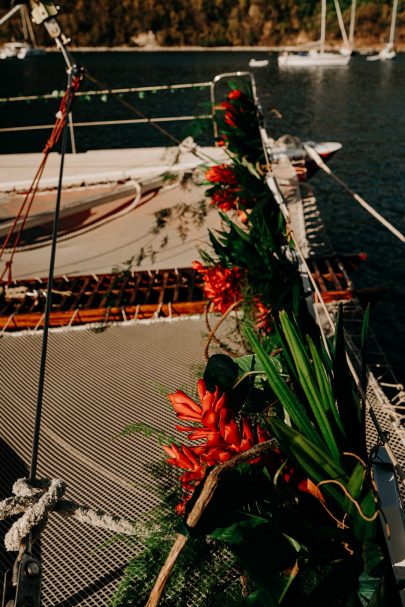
{"x":360,"y":105}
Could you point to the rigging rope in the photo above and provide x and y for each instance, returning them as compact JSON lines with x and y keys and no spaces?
{"x":26,"y":205}
{"x":74,"y":77}
{"x":321,"y":164}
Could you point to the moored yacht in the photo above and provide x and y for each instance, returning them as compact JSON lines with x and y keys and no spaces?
{"x":317,"y":57}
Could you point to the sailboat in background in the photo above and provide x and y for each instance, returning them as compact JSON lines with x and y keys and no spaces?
{"x":315,"y":57}
{"x":388,"y":51}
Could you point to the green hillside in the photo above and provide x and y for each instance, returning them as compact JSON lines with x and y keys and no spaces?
{"x":212,"y":22}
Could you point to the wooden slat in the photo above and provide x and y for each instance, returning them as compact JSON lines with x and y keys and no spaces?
{"x":332,"y":275}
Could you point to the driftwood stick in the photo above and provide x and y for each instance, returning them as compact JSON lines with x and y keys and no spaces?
{"x":202,"y":502}
{"x":223,"y":346}
{"x":218,"y":324}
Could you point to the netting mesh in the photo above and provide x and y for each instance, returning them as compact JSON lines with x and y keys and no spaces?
{"x":98,"y":380}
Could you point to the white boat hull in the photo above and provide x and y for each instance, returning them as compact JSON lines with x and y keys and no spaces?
{"x":258,"y":62}
{"x":384,"y":55}
{"x":316,"y":59}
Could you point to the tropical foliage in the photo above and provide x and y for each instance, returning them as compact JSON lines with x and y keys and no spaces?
{"x":299,"y":521}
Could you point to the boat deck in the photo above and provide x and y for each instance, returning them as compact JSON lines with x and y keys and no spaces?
{"x":130,"y":239}
{"x":98,"y":166}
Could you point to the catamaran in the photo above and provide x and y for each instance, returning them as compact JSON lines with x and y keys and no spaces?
{"x":151,"y":318}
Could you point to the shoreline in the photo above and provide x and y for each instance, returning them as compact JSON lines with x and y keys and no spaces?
{"x":213,"y":49}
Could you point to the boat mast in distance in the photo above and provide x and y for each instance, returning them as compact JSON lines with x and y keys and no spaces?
{"x":317,"y":58}
{"x":388,"y":52}
{"x":352,"y":23}
{"x":20,"y":49}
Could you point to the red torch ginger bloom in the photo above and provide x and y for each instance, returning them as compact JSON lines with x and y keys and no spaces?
{"x":223,"y":174}
{"x":187,"y":409}
{"x":221,"y":285}
{"x":235,"y":94}
{"x":263,"y":318}
{"x":225,"y":199}
{"x":230,"y":119}
{"x":223,"y":435}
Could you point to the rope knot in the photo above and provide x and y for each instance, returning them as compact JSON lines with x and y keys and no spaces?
{"x":39,"y":501}
{"x":35,"y":502}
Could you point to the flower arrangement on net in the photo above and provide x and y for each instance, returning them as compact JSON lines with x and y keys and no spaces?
{"x":220,"y":434}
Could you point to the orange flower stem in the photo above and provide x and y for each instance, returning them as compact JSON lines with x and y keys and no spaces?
{"x":219,"y":323}
{"x":200,"y":505}
{"x":245,"y":375}
{"x":208,"y":309}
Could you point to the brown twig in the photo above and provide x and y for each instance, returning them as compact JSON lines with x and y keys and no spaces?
{"x":219,"y":323}
{"x":200,"y":505}
{"x":221,"y":344}
{"x":331,"y":481}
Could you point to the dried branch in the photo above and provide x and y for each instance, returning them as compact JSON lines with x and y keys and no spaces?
{"x":200,"y":505}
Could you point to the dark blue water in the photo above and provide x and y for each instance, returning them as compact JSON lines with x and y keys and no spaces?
{"x":361,"y":105}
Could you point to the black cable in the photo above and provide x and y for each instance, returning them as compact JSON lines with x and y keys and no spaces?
{"x":41,"y":381}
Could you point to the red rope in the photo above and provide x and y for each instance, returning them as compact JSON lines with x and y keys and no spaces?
{"x":29,"y":198}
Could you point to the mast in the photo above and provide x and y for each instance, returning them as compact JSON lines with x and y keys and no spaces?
{"x":28,"y":25}
{"x":10,"y":13}
{"x":352,"y":21}
{"x":393,"y":21}
{"x":28,"y":32}
{"x":341,"y":24}
{"x":323,"y":25}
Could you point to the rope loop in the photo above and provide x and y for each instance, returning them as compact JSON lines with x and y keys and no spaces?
{"x":36,"y":503}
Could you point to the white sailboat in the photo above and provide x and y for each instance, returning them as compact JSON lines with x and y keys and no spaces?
{"x":315,"y":57}
{"x":388,"y":52}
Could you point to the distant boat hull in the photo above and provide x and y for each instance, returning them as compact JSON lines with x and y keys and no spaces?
{"x":19,"y":50}
{"x":385,"y":55}
{"x":304,"y":167}
{"x":313,"y":59}
{"x":258,"y":62}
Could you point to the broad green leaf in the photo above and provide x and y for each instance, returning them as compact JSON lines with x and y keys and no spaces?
{"x":362,"y":529}
{"x":287,"y":398}
{"x":220,"y":371}
{"x":367,"y":588}
{"x":325,"y":386}
{"x":249,"y":362}
{"x":235,"y":534}
{"x":343,"y":387}
{"x":373,"y":557}
{"x":260,"y":598}
{"x":309,"y":383}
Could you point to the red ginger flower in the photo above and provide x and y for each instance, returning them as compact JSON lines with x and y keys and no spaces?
{"x":263,"y":318}
{"x":223,"y":174}
{"x":221,"y":285}
{"x":235,"y":94}
{"x":224,"y":436}
{"x":225,"y":199}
